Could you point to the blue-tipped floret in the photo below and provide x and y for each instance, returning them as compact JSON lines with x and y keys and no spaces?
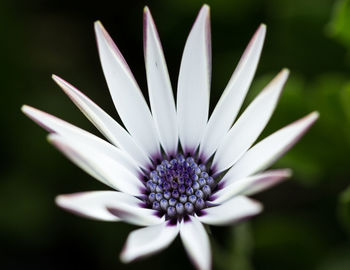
{"x":179,"y":187}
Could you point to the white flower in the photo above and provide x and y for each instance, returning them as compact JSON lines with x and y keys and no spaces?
{"x":169,"y":188}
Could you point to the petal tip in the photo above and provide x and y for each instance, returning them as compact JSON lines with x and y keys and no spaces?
{"x":60,"y":200}
{"x":28,"y":110}
{"x":98,"y":23}
{"x":58,"y":80}
{"x":56,"y":141}
{"x":24,"y":108}
{"x":286,"y":173}
{"x":259,"y":207}
{"x":282,"y":76}
{"x":256,"y":207}
{"x":147,"y":19}
{"x":205,"y":8}
{"x":309,"y":119}
{"x":285,"y":71}
{"x":146,"y":10}
{"x":262,"y":27}
{"x":314,"y":115}
{"x":99,"y":27}
{"x":51,"y":138}
{"x":259,"y":34}
{"x":64,"y":85}
{"x":124,"y":258}
{"x":204,"y":13}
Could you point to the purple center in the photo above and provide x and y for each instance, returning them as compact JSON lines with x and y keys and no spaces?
{"x":179,"y":187}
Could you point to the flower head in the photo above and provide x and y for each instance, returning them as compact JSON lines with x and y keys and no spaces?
{"x":173,"y":188}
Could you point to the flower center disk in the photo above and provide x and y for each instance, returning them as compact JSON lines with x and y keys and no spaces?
{"x":179,"y":186}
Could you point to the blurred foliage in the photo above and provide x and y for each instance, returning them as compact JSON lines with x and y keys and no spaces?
{"x":344,"y":209}
{"x":237,"y":254}
{"x":340,"y":23}
{"x":305,"y":224}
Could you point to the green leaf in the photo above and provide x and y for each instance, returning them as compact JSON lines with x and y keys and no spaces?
{"x":340,"y":22}
{"x":344,"y":209}
{"x":237,"y":254}
{"x":345,"y":100}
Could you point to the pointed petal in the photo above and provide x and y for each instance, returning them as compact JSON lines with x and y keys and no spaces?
{"x":196,"y":242}
{"x":136,"y":215}
{"x":147,"y":241}
{"x":111,"y":129}
{"x":250,"y":124}
{"x":194,"y":83}
{"x":56,"y":125}
{"x":250,"y":185}
{"x":127,"y":97}
{"x":92,"y":204}
{"x":159,"y":87}
{"x":267,"y":151}
{"x":232,"y":98}
{"x":105,"y":169}
{"x":232,"y":211}
{"x":268,"y":182}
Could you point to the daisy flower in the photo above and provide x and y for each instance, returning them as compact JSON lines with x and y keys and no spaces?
{"x":173,"y":168}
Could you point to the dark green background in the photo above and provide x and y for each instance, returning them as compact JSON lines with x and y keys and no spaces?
{"x":305,"y":224}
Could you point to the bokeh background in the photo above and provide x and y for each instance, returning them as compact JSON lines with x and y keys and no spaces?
{"x":306,"y":222}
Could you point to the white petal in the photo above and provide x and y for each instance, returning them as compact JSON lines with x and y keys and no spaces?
{"x":105,"y":169}
{"x":56,"y":125}
{"x":250,"y":185}
{"x":196,"y":242}
{"x":232,"y":98}
{"x":127,"y":97}
{"x":159,"y":87}
{"x":250,"y":124}
{"x":194,"y":83}
{"x":232,"y":211}
{"x":267,"y":151}
{"x":146,"y":241}
{"x":135,"y":215}
{"x":104,"y":123}
{"x":93,"y":204}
